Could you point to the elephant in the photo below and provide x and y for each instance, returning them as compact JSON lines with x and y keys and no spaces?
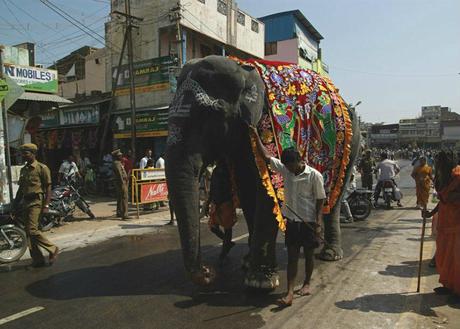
{"x":216,"y":100}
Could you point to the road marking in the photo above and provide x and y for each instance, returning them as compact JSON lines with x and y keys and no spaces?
{"x":21,"y":314}
{"x":241,"y":237}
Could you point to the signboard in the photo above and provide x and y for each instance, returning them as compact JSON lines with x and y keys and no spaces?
{"x":15,"y":55}
{"x":148,"y":124}
{"x":49,"y":120}
{"x":33,"y":78}
{"x":3,"y":89}
{"x":153,"y":192}
{"x":83,"y":115}
{"x":149,"y":75}
{"x":153,"y":174}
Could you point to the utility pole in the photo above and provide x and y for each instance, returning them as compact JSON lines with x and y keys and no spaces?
{"x":4,"y":115}
{"x":129,"y":26}
{"x":175,"y":17}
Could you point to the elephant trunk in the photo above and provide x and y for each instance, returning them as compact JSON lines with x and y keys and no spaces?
{"x":182,"y":173}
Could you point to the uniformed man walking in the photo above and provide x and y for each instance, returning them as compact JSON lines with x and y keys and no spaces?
{"x":366,"y":168}
{"x":32,"y":198}
{"x":121,"y":185}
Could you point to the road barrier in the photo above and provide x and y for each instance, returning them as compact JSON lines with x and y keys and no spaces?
{"x":148,"y":186}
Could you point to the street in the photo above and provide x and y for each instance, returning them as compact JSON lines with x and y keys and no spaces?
{"x":138,"y":281}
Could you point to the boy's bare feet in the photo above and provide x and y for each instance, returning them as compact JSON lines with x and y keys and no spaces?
{"x":305,"y":290}
{"x":286,"y":301}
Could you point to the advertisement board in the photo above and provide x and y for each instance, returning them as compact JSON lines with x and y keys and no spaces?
{"x":149,"y":75}
{"x":152,"y":123}
{"x":83,"y":115}
{"x":33,"y":78}
{"x":152,"y":192}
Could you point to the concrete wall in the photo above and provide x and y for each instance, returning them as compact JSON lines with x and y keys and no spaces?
{"x":288,"y":51}
{"x":451,"y":133}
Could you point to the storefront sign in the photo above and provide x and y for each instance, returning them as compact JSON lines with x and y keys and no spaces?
{"x":149,"y":75}
{"x":153,"y":192}
{"x":153,"y":174}
{"x":148,"y":124}
{"x":49,"y":120}
{"x":80,"y":116}
{"x":33,"y":78}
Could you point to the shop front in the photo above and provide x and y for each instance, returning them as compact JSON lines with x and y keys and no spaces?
{"x":151,"y":131}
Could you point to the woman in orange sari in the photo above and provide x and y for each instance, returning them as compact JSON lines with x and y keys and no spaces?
{"x":423,"y":176}
{"x":447,"y":184}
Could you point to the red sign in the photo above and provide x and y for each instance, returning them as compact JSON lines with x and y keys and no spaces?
{"x":154,"y":192}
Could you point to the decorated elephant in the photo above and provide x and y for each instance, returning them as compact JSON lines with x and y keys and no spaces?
{"x":216,"y":100}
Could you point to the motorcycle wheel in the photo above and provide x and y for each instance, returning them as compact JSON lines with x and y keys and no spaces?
{"x":85,"y":208}
{"x":360,"y":208}
{"x":46,"y":223}
{"x":387,"y":198}
{"x":16,"y":235}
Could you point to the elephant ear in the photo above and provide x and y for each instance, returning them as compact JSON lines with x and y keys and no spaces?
{"x":252,"y":98}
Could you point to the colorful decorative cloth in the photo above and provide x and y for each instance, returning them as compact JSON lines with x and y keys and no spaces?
{"x":306,"y":112}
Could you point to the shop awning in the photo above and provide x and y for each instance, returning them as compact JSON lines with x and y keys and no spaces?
{"x":28,"y":96}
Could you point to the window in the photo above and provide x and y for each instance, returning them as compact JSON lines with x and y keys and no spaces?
{"x":222,"y":7}
{"x":241,"y":18}
{"x":271,"y":48}
{"x":255,"y":26}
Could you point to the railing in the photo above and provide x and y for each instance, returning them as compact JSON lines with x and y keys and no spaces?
{"x":148,"y":186}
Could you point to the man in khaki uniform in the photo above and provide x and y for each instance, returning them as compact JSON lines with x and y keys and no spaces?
{"x":33,"y":197}
{"x":121,"y":185}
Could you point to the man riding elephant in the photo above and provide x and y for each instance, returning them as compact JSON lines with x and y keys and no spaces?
{"x":216,"y":100}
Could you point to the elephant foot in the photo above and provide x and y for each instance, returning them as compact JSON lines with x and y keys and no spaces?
{"x":331,"y":254}
{"x":204,"y":276}
{"x":263,"y":279}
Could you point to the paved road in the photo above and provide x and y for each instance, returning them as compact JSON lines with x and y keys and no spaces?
{"x":139,"y":282}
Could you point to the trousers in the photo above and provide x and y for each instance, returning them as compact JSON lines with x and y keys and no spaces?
{"x":35,"y":237}
{"x":122,"y":200}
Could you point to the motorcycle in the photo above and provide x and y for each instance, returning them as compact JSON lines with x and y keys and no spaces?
{"x":13,"y":238}
{"x":360,"y":203}
{"x":390,"y":193}
{"x":64,"y":200}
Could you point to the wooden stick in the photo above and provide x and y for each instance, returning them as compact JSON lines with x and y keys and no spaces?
{"x":421,"y":249}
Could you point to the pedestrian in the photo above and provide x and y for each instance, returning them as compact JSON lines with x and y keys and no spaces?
{"x":160,"y":164}
{"x":68,"y":171}
{"x":345,"y":207}
{"x":147,"y":156}
{"x":423,"y":176}
{"x":366,"y":168}
{"x":304,"y":197}
{"x":447,"y":184}
{"x":128,"y":162}
{"x":386,"y":170}
{"x":121,"y":185}
{"x":222,"y":207}
{"x":33,"y":197}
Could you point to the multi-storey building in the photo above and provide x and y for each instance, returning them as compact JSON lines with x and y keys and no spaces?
{"x":169,"y":34}
{"x":290,"y":37}
{"x":383,"y":135}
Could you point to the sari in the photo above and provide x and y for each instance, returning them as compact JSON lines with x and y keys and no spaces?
{"x":422,"y":177}
{"x":448,"y":235}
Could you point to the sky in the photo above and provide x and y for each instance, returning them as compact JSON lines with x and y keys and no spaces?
{"x":394,"y":56}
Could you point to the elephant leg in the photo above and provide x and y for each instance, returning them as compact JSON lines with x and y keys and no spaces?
{"x":262,"y":273}
{"x":332,"y":249}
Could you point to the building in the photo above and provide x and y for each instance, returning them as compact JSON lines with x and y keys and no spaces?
{"x":426,"y":130}
{"x":169,"y":34}
{"x":451,"y":134}
{"x":82,"y":73}
{"x":290,"y":37}
{"x":384,"y":135}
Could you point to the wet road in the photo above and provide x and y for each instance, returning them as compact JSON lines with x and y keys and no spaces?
{"x":139,"y":282}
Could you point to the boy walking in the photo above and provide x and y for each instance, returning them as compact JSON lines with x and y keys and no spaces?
{"x":302,"y":208}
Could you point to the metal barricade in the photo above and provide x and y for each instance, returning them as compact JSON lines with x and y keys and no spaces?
{"x":148,"y":186}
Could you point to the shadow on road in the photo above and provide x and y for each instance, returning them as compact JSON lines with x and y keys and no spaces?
{"x":407,"y":269}
{"x":396,"y":303}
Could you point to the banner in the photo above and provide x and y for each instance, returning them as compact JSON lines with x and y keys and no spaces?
{"x":153,"y":192}
{"x":33,"y":78}
{"x":149,"y":75}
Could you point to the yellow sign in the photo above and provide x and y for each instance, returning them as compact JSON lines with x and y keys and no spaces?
{"x":143,"y":89}
{"x":142,"y":134}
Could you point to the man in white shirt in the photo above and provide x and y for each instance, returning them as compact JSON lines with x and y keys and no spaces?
{"x":386,"y":170}
{"x":160,"y":164}
{"x":147,"y":157}
{"x":303,"y":210}
{"x":68,"y":170}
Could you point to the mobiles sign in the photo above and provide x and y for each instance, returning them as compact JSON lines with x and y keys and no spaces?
{"x":33,"y":78}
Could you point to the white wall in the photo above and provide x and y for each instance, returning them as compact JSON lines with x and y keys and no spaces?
{"x":451,"y":133}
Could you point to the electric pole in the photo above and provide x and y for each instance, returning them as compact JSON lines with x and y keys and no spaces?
{"x":175,"y":17}
{"x":129,"y":26}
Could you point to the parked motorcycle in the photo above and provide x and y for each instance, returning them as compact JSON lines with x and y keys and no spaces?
{"x":64,"y":200}
{"x":360,"y":203}
{"x":13,"y":238}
